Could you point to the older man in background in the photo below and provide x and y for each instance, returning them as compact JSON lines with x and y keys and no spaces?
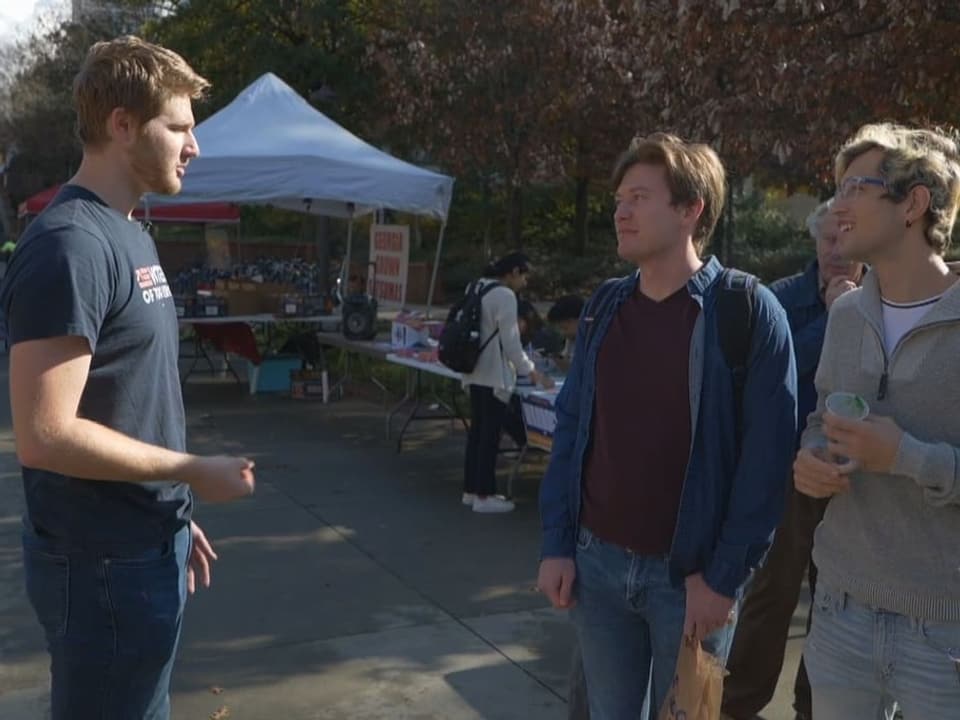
{"x":756,"y":658}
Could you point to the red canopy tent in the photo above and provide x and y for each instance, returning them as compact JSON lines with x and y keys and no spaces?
{"x":194,"y":213}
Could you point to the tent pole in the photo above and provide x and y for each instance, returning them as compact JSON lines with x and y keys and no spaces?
{"x":436,"y":266}
{"x":345,"y":270}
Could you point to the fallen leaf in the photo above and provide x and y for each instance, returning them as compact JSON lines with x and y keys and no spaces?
{"x":221,"y":714}
{"x":216,"y":690}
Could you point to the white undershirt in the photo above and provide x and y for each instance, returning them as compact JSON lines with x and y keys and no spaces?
{"x":901,"y":318}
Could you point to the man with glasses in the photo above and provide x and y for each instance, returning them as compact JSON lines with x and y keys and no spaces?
{"x":886,"y":622}
{"x":756,"y":657}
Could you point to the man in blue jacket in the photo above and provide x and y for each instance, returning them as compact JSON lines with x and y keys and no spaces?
{"x":756,"y":657}
{"x":655,"y":508}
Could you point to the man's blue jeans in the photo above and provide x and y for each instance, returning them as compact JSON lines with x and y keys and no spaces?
{"x":862,"y":660}
{"x":112,"y":620}
{"x":628,"y":617}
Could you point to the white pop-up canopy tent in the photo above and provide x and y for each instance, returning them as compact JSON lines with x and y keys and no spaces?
{"x":271,"y":147}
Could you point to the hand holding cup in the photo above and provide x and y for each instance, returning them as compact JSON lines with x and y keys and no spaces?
{"x":870,"y":442}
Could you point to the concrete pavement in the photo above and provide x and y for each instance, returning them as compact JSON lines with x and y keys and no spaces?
{"x":352,"y":585}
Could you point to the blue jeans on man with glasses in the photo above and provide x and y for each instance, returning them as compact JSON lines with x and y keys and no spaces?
{"x":862,"y":661}
{"x":629,"y":619}
{"x":112,"y":618}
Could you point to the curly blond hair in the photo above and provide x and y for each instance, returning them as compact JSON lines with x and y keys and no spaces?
{"x":133,"y":74}
{"x":911,"y":157}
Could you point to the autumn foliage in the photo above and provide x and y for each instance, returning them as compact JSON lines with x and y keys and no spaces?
{"x":515,"y":96}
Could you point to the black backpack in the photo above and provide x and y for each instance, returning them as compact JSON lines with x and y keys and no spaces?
{"x":735,"y":321}
{"x":460,"y":339}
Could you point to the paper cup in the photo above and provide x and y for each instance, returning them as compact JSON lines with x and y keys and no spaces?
{"x":847,"y":405}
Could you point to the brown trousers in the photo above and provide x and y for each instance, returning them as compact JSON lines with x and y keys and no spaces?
{"x":756,"y":657}
{"x":577,"y":707}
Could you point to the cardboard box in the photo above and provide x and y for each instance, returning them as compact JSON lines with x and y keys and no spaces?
{"x":242,"y":302}
{"x":413,"y":331}
{"x":309,"y":385}
{"x":405,"y":336}
{"x":271,"y":297}
{"x":308,"y":390}
{"x":302,"y":305}
{"x":245,"y":297}
{"x":210,"y":306}
{"x":270,"y":288}
{"x":540,"y":418}
{"x":185,"y":305}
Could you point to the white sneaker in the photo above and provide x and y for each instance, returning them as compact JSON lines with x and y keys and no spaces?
{"x":492,"y":504}
{"x":468,"y":498}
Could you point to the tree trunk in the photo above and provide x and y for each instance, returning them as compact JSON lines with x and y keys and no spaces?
{"x":7,"y":216}
{"x":417,"y":234}
{"x":729,"y":226}
{"x":718,"y":242}
{"x":581,"y":216}
{"x":488,"y":225}
{"x":515,"y":218}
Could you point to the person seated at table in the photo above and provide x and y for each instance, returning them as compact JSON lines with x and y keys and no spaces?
{"x":529,"y":322}
{"x":554,"y":340}
{"x":493,"y":380}
{"x":563,"y":319}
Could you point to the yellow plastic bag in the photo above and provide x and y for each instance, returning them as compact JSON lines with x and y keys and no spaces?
{"x":697,"y":688}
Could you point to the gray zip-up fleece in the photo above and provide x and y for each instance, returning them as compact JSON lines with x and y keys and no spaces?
{"x":893,"y":540}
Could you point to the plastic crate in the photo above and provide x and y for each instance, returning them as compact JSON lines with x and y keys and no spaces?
{"x":273,"y":374}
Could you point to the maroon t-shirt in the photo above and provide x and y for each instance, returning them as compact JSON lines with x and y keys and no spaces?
{"x":641,"y":427}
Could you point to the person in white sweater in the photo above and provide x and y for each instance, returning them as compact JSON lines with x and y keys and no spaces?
{"x":493,"y":380}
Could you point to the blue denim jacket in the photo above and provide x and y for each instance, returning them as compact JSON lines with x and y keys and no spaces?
{"x":807,"y":315}
{"x":729,"y":506}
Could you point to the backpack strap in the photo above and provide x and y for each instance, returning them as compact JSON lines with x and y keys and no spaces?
{"x":489,"y":339}
{"x":736,"y":303}
{"x":483,"y":291}
{"x":487,"y":288}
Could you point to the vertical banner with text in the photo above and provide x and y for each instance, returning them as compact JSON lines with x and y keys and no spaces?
{"x":390,"y":251}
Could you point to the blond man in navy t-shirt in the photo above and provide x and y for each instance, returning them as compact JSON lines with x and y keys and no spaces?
{"x":110,"y":549}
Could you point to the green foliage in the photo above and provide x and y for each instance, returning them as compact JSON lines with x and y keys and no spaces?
{"x":315,"y":46}
{"x":38,"y":118}
{"x":767,"y":242}
{"x":477,"y":232}
{"x":561,"y":274}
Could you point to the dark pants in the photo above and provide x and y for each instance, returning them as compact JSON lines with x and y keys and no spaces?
{"x":577,"y":706}
{"x":489,"y":417}
{"x":112,"y":621}
{"x":756,"y":658}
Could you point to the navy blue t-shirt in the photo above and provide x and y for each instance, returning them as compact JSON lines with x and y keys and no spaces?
{"x":83,"y":269}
